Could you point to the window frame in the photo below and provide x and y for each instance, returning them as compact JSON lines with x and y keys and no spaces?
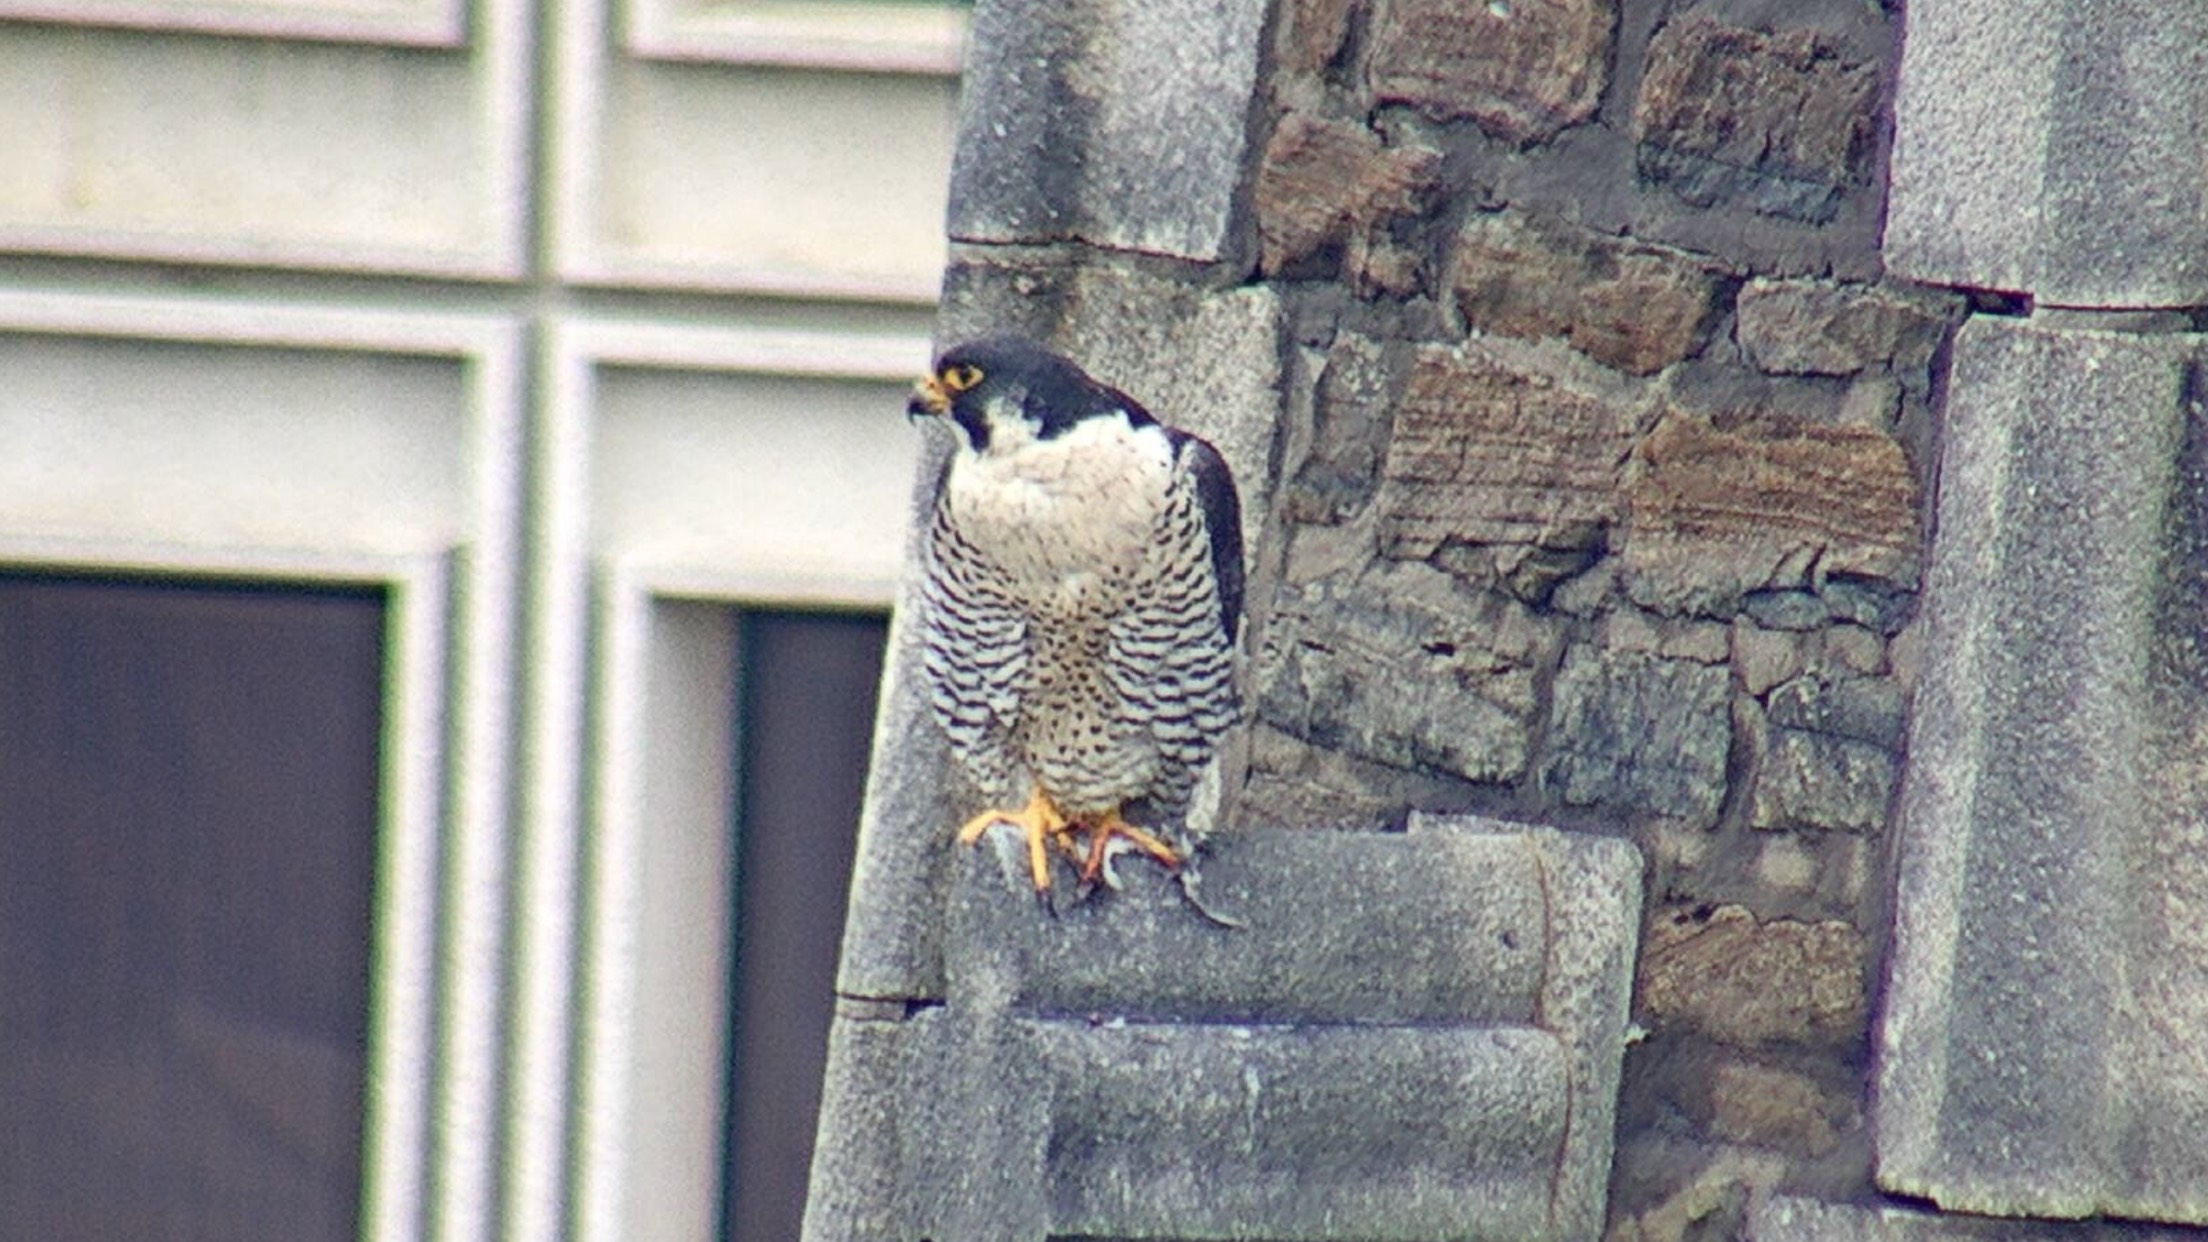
{"x":440,"y":905}
{"x":606,"y":762}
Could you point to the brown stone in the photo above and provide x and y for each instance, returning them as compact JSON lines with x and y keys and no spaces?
{"x":1746,"y":982}
{"x":1766,"y":1106}
{"x":1714,"y":512}
{"x":1779,"y":123}
{"x":1522,"y":69}
{"x":1636,"y":308}
{"x":1482,"y":453}
{"x":1324,"y":181}
{"x":1815,"y":327}
{"x":1314,"y":35}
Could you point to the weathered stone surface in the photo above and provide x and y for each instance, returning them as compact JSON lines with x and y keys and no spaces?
{"x":1377,"y":264}
{"x":1323,"y":182}
{"x":1629,"y":629}
{"x":1855,"y":649}
{"x":1747,"y":982}
{"x":1298,"y":1131}
{"x":1795,"y":1218}
{"x":1815,"y":327}
{"x":1523,"y":71}
{"x":1636,"y":308}
{"x":1640,"y":734}
{"x":854,"y":1191}
{"x":1763,"y":658}
{"x":1705,"y":1194}
{"x":1123,"y":125}
{"x":2041,"y":1041}
{"x":1777,"y":122}
{"x":1820,"y":781}
{"x":1401,"y":666}
{"x":1483,"y":452}
{"x":2059,"y":156}
{"x":1314,"y":34}
{"x":1295,"y":785}
{"x":1829,"y":754}
{"x":1793,"y":611}
{"x":1865,"y":709}
{"x":1715,"y":512}
{"x":1062,"y":1091}
{"x":1767,"y":1106}
{"x":1479,"y":959}
{"x":1351,"y":418}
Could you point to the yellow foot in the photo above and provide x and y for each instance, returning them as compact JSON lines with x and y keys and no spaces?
{"x":1039,"y":821}
{"x":1100,"y":840}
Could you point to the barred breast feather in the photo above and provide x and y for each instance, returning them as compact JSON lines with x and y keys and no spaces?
{"x":1079,"y":620}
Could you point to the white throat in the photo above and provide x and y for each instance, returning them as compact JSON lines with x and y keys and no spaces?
{"x":1084,"y":502}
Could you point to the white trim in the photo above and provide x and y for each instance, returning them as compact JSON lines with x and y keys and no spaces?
{"x":590,"y":727}
{"x":801,"y":35}
{"x":403,"y":23}
{"x":877,"y":38}
{"x":476,"y":882}
{"x":884,"y":356}
{"x":581,"y":264}
{"x":263,"y":323}
{"x":545,"y":972}
{"x":405,"y":979}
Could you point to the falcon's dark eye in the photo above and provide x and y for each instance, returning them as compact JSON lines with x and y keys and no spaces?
{"x":961,"y":377}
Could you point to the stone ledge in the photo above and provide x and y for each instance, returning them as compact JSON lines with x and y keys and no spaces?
{"x":1443,"y":1023}
{"x":1790,"y":1218}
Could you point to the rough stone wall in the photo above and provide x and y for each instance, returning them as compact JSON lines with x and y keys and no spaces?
{"x":1590,"y":452}
{"x":1611,"y":509}
{"x":1601,"y":499}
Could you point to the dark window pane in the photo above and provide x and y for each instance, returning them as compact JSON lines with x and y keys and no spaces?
{"x":188,"y":788}
{"x":808,"y":687}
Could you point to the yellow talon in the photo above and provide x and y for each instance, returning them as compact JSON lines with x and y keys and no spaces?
{"x":1038,"y":821}
{"x":1112,"y":825}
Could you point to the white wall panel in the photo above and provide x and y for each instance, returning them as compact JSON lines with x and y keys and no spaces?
{"x":730,"y":173}
{"x":294,"y":153}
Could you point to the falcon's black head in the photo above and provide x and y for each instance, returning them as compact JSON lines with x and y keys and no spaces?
{"x":1003,"y":389}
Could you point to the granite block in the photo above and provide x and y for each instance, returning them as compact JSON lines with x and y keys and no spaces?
{"x":2039,"y":1053}
{"x":1124,"y":124}
{"x":2059,"y":156}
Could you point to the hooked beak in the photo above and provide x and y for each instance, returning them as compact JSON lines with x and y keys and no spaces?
{"x":929,"y":397}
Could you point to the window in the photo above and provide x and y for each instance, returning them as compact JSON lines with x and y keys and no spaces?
{"x":189,"y":807}
{"x":806,"y":700}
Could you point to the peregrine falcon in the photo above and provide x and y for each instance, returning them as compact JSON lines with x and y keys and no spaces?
{"x":1081,"y":592}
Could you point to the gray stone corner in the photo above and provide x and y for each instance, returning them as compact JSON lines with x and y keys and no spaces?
{"x":2039,"y":1049}
{"x":1124,"y":125}
{"x":1413,"y":1035}
{"x":2059,"y":156}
